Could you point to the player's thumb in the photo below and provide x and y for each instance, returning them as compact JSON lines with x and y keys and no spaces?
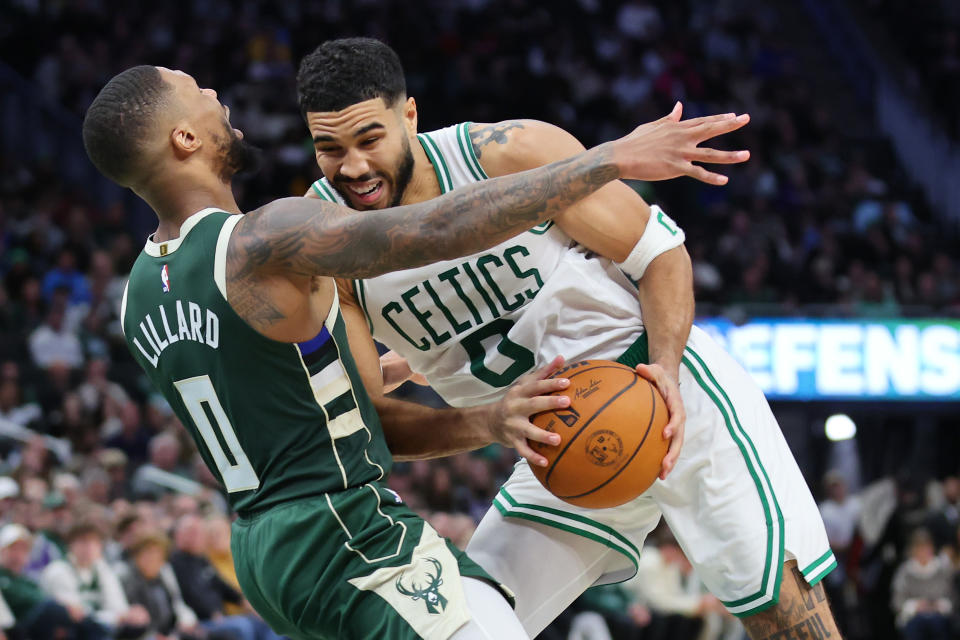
{"x":677,"y":112}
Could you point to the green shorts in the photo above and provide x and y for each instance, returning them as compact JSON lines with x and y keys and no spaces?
{"x":352,"y":564}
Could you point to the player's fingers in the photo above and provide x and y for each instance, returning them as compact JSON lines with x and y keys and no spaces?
{"x":534,"y":458}
{"x":673,"y":453}
{"x":539,"y":404}
{"x":542,"y":387}
{"x":699,"y":173}
{"x":718,"y":127}
{"x":534,"y":433}
{"x":548,"y":370}
{"x":716,"y":156}
{"x":707,"y":120}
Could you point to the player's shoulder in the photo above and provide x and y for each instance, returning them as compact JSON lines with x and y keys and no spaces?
{"x":509,"y":146}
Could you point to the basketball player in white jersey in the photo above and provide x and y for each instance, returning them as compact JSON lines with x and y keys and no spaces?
{"x":734,"y":496}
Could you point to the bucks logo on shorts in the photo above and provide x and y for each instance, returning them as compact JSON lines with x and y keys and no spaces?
{"x":429,"y":591}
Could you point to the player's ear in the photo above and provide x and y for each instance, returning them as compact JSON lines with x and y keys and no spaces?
{"x":185,"y":140}
{"x":410,"y":116}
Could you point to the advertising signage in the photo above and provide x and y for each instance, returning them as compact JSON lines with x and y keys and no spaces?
{"x":797,"y":359}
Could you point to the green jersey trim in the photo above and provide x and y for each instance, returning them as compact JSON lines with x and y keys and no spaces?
{"x":322,"y":189}
{"x":437,"y":160}
{"x":469,"y":154}
{"x":361,"y":295}
{"x":769,"y":592}
{"x":567,"y":521}
{"x":819,"y":568}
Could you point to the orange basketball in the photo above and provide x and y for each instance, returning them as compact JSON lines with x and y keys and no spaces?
{"x":612,"y":440}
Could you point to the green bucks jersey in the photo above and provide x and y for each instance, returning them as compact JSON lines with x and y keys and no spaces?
{"x":274,"y":421}
{"x":473,"y":325}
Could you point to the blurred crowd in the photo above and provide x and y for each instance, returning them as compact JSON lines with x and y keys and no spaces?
{"x":95,"y":465}
{"x":897,"y":542}
{"x":928,"y":36}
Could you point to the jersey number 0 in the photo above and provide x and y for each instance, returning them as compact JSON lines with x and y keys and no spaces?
{"x":200,"y":399}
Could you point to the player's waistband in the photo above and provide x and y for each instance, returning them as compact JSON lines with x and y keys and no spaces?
{"x":254,"y":514}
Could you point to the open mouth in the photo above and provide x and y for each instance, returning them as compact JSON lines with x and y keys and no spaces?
{"x":366,"y":192}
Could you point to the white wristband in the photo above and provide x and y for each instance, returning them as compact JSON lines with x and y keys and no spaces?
{"x":660,"y":235}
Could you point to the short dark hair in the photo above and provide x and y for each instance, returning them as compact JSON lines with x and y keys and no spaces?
{"x":120,"y":117}
{"x":341,"y":73}
{"x":84,"y":528}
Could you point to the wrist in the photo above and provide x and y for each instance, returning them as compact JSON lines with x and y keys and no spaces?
{"x":608,"y":157}
{"x":479,"y":422}
{"x":669,"y":364}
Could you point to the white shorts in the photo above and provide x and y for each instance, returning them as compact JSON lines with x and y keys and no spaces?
{"x":736,"y":502}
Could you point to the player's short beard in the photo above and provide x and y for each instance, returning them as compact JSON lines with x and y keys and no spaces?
{"x":238,"y":158}
{"x":400,"y":179}
{"x":404,"y":173}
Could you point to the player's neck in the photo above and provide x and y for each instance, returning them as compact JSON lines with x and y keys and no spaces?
{"x":175,"y":202}
{"x":423,"y":183}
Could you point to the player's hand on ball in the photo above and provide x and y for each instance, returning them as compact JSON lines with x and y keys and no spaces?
{"x":509,"y":422}
{"x":396,"y":370}
{"x":673,"y":431}
{"x":667,"y":148}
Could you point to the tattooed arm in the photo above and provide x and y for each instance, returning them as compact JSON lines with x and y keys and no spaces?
{"x":300,"y":236}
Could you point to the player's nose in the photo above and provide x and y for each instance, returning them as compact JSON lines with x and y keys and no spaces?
{"x":354,"y":164}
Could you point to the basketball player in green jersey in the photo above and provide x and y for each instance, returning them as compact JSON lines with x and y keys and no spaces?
{"x":735,"y":498}
{"x":235,"y":319}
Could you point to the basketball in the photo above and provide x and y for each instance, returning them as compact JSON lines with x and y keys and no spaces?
{"x":612,"y":440}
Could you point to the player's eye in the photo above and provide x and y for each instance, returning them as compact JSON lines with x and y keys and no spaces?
{"x":369,"y":141}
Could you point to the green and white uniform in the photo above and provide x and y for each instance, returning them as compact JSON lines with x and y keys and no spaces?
{"x":736,"y":499}
{"x":294,"y":438}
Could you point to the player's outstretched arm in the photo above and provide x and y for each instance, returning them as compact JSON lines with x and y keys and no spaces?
{"x":300,"y":236}
{"x":612,"y":222}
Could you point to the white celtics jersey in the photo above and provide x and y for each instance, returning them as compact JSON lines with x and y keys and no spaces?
{"x":473,"y":325}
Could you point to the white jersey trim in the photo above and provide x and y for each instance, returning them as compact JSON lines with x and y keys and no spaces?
{"x":161,"y":249}
{"x":220,"y":257}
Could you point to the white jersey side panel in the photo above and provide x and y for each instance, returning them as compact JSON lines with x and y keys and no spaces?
{"x":474,"y":325}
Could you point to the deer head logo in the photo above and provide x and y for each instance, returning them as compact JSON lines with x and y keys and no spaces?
{"x":430,"y":593}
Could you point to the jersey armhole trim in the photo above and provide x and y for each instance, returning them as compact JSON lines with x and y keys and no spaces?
{"x":123,"y":307}
{"x":220,"y":257}
{"x":469,"y":153}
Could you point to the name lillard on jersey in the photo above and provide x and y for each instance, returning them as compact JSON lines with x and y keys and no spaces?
{"x":190,"y":325}
{"x":495,"y":271}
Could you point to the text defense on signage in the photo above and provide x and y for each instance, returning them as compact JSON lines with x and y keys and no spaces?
{"x":838,"y":359}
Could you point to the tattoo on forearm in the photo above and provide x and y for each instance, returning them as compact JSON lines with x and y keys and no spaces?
{"x":312,"y":237}
{"x":480,"y":137}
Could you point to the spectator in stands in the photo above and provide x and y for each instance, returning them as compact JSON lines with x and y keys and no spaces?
{"x":96,"y":388}
{"x":164,"y":451}
{"x":923,"y":596}
{"x":84,"y":579}
{"x":53,"y":521}
{"x":131,"y":436}
{"x":204,"y":590}
{"x":666,"y":583}
{"x":53,"y":342}
{"x":12,"y":407}
{"x":66,"y":275}
{"x":221,"y":557}
{"x":36,"y":615}
{"x":149,"y":581}
{"x":944,"y":521}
